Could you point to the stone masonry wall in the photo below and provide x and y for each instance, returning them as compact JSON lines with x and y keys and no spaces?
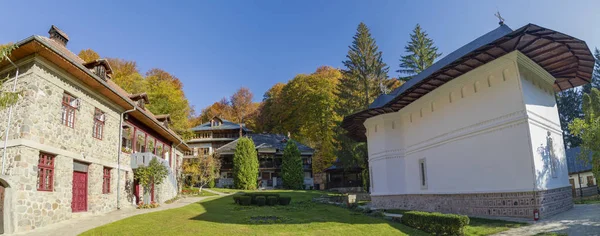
{"x":36,"y":126}
{"x":515,"y":204}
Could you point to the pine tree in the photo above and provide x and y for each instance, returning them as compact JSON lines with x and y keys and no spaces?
{"x":595,"y":76}
{"x":569,"y":106}
{"x":365,"y":70}
{"x":421,"y":54}
{"x":245,"y":165}
{"x":365,"y":77}
{"x":292,"y":173}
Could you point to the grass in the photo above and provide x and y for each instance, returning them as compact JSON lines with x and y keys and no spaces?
{"x":587,"y":200}
{"x":219,"y":216}
{"x":227,"y":190}
{"x":479,"y":226}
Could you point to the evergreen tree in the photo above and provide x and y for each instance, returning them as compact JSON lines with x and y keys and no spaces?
{"x":365,"y":71}
{"x":365,"y":77}
{"x":292,"y":173}
{"x":421,"y":54}
{"x":595,"y":76}
{"x":245,"y":165}
{"x":569,"y":108}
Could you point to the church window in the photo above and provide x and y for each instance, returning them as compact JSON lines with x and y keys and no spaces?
{"x":423,"y":173}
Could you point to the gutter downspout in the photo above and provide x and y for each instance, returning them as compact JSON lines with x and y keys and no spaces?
{"x":119,"y":155}
{"x":10,"y":109}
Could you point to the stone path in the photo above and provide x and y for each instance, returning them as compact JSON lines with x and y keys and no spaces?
{"x":583,"y":219}
{"x":216,"y":192}
{"x":79,"y":225}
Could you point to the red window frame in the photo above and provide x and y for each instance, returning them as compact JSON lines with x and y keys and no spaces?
{"x":46,"y":172}
{"x":98,"y":130}
{"x":106,"y":180}
{"x":68,"y":111}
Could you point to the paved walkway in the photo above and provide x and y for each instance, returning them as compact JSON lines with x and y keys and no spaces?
{"x":583,"y":219}
{"x":216,"y":192}
{"x":79,"y":225}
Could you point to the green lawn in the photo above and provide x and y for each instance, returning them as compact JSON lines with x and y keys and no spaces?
{"x":219,"y":216}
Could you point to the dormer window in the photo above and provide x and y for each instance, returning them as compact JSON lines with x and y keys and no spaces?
{"x":140,"y":99}
{"x":100,"y":71}
{"x":100,"y":68}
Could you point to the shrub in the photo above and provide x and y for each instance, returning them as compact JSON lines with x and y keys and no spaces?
{"x":245,"y":200}
{"x":253,"y":196}
{"x":272,"y":200}
{"x":285,"y":200}
{"x":236,"y":199}
{"x":260,"y":200}
{"x":245,"y":164}
{"x":211,"y":183}
{"x":292,"y":172}
{"x":435,"y":222}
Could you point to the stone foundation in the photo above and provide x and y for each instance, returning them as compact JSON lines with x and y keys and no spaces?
{"x":515,"y":204}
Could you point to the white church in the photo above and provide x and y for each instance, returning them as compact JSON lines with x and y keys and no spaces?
{"x":478,"y":132}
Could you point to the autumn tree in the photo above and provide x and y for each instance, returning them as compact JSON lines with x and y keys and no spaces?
{"x":241,"y":104}
{"x":164,"y":76}
{"x":292,"y":172}
{"x":202,"y":170}
{"x":245,"y":165}
{"x":221,"y":109}
{"x":166,"y":98}
{"x":88,"y":55}
{"x":269,"y":119}
{"x":421,"y":53}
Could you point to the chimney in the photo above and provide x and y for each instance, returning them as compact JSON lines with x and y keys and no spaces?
{"x":58,"y":35}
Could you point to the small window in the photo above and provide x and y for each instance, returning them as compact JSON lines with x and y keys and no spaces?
{"x":126,"y":137}
{"x":590,"y":181}
{"x":106,"y":180}
{"x":69,"y":105}
{"x":45,"y":172}
{"x":423,"y":173}
{"x":99,"y":118}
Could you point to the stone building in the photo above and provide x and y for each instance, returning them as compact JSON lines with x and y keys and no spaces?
{"x":64,"y":153}
{"x":478,"y":132}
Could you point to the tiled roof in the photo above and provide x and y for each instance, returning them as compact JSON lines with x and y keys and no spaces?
{"x":68,"y":54}
{"x":566,"y":58}
{"x":575,"y":164}
{"x":267,"y":141}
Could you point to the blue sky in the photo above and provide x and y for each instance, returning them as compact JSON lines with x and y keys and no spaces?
{"x":215,"y":47}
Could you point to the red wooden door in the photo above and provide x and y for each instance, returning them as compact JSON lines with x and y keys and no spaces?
{"x":1,"y":209}
{"x":79,"y":202}
{"x":136,"y":191}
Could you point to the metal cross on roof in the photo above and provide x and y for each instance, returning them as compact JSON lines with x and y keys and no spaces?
{"x":500,"y":19}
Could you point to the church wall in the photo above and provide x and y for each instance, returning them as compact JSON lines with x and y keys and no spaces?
{"x":544,"y":126}
{"x":461,"y":131}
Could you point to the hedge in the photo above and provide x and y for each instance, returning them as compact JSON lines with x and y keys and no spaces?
{"x":254,"y":195}
{"x":245,"y":200}
{"x":236,"y":199}
{"x":285,"y":200}
{"x":260,"y":200}
{"x":272,"y":200}
{"x":435,"y":222}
